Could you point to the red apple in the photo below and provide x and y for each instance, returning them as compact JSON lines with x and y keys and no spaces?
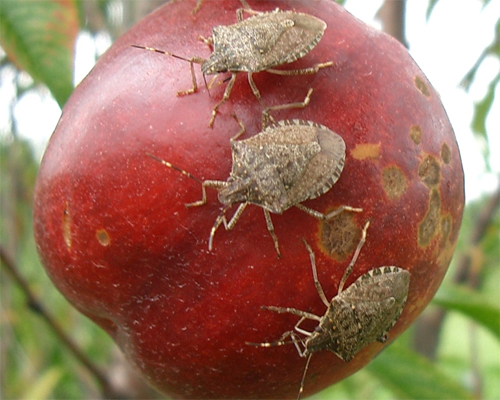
{"x":116,"y":238}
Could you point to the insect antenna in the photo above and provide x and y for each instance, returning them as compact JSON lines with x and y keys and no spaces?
{"x":319,"y":288}
{"x":189,"y":175}
{"x":162,"y":52}
{"x":176,"y":168}
{"x":270,"y":344}
{"x":354,"y":258}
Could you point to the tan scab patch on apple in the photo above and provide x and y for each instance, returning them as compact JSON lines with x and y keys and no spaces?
{"x":363,"y":151}
{"x":416,"y":134}
{"x":430,"y":224}
{"x":103,"y":237}
{"x":393,"y":182}
{"x":445,"y":153}
{"x":429,"y":171}
{"x":421,"y":86}
{"x":446,"y":224}
{"x":66,"y":226}
{"x":340,"y":235}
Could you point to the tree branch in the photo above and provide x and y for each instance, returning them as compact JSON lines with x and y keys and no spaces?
{"x":36,"y":306}
{"x":392,"y":15}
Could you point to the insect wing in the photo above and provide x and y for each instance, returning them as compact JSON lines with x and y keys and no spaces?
{"x":323,"y":169}
{"x":299,"y":34}
{"x":369,"y":308}
{"x":274,"y":161}
{"x":379,"y":297}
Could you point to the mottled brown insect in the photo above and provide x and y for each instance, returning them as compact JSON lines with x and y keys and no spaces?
{"x":287,"y":163}
{"x":355,"y":317}
{"x":259,"y":43}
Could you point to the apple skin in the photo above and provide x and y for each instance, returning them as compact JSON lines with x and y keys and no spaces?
{"x":115,"y":237}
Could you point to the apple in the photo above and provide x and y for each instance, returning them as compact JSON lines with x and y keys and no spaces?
{"x":116,"y":238}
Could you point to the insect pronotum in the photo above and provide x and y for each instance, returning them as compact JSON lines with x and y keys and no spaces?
{"x":289,"y":162}
{"x":259,"y":43}
{"x":355,"y":317}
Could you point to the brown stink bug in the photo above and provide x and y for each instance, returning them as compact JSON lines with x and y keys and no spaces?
{"x":355,"y":317}
{"x":259,"y":43}
{"x":289,"y":162}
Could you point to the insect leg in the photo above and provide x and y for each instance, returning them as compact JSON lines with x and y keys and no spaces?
{"x":212,"y":184}
{"x":246,"y":8}
{"x":304,"y":71}
{"x":193,"y":80}
{"x":315,"y":275}
{"x":222,"y":219}
{"x":189,"y":175}
{"x":348,"y":270}
{"x":254,"y":88}
{"x":191,"y":61}
{"x":197,"y":7}
{"x":266,"y":117}
{"x":319,"y":215}
{"x":283,"y":310}
{"x":242,"y":128}
{"x":270,"y":228}
{"x":340,"y":209}
{"x":300,"y":330}
{"x":236,"y":216}
{"x":209,"y":41}
{"x":226,"y":95}
{"x":304,"y":377}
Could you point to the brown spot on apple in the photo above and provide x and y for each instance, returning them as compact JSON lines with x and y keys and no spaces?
{"x":421,"y":86}
{"x":416,"y":134}
{"x":428,"y":228}
{"x":66,"y":226}
{"x":429,"y":171}
{"x":340,"y":235}
{"x":446,"y":225}
{"x":445,"y":153}
{"x":363,"y":151}
{"x":394,"y":182}
{"x":103,"y":237}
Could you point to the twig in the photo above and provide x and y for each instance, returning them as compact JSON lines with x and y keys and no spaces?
{"x":36,"y":306}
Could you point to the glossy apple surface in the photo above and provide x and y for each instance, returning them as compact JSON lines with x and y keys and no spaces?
{"x":116,"y":238}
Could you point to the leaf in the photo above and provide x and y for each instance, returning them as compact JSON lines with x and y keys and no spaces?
{"x":39,"y":37}
{"x":430,"y":7}
{"x":42,"y":387}
{"x":411,"y":376}
{"x":481,"y":111}
{"x":473,"y":304}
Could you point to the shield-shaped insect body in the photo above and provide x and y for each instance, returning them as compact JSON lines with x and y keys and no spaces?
{"x":259,"y":43}
{"x":356,"y":317}
{"x":285,"y":164}
{"x":263,"y":41}
{"x":362,"y":314}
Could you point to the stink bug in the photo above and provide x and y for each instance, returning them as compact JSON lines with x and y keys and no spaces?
{"x":259,"y":43}
{"x":355,"y":317}
{"x":289,"y":162}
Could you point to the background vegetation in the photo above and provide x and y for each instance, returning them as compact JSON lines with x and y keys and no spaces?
{"x":49,"y":350}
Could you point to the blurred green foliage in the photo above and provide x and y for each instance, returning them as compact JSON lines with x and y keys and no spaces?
{"x":35,"y":365}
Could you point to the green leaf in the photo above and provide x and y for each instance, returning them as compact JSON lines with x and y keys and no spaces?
{"x":481,"y":111}
{"x":473,"y":304}
{"x":39,"y":37}
{"x":430,"y":7}
{"x":42,"y":387}
{"x":411,"y":376}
